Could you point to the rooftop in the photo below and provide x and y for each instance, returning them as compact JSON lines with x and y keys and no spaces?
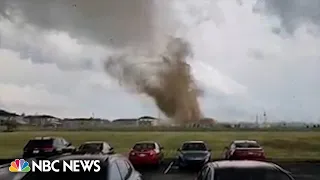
{"x":245,"y":141}
{"x":193,"y":142}
{"x":83,"y":157}
{"x":243,"y":164}
{"x":139,"y":142}
{"x":93,"y":142}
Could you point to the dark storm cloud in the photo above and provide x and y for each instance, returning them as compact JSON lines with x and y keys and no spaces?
{"x":28,"y":49}
{"x":116,"y":22}
{"x":293,"y":13}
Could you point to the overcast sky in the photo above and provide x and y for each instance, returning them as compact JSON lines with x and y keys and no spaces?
{"x":249,"y":56}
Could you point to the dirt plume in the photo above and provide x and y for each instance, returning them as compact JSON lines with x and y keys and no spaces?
{"x":166,"y":78}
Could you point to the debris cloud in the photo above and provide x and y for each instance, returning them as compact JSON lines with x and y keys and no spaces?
{"x":166,"y":78}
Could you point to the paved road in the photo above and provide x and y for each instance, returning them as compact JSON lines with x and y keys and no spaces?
{"x":301,"y":171}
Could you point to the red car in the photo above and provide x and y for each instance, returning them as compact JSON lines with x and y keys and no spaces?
{"x":244,"y":150}
{"x":146,"y":153}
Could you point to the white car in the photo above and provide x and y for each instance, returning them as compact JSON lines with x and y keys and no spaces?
{"x":95,"y":147}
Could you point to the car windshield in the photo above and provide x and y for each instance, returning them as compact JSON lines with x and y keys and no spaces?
{"x":247,"y":145}
{"x":249,"y":174}
{"x":194,"y":147}
{"x":91,"y":147}
{"x":39,"y":143}
{"x":144,"y":146}
{"x":64,"y":175}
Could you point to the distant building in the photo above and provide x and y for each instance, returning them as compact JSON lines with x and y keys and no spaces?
{"x":42,"y":120}
{"x":148,"y":121}
{"x":7,"y":116}
{"x":247,"y":125}
{"x":204,"y":123}
{"x":125,"y":122}
{"x":84,"y":123}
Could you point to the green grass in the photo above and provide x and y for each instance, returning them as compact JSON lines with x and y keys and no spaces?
{"x":278,"y":145}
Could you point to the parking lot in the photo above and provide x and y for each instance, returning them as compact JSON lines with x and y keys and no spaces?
{"x":301,"y":171}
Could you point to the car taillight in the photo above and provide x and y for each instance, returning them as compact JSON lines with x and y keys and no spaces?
{"x":47,"y":149}
{"x":152,"y":153}
{"x":132,"y":153}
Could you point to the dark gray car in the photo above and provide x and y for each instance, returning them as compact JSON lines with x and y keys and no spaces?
{"x":193,"y":154}
{"x":46,"y":147}
{"x":240,"y":170}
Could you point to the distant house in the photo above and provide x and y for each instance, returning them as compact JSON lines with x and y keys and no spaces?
{"x":6,"y":116}
{"x":204,"y":122}
{"x":207,"y":122}
{"x":148,"y":121}
{"x":84,"y":123}
{"x":42,"y":120}
{"x":125,"y":122}
{"x":247,"y":125}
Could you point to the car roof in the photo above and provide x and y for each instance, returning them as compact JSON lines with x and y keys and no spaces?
{"x":140,"y":142}
{"x":193,"y":142}
{"x":245,"y":141}
{"x":44,"y":138}
{"x":94,"y":142}
{"x":87,"y":157}
{"x":243,"y":164}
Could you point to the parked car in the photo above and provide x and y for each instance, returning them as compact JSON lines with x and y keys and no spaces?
{"x":113,"y":167}
{"x":245,"y":169}
{"x":193,"y":154}
{"x":95,"y":147}
{"x":47,"y":146}
{"x":244,"y":150}
{"x":146,"y":153}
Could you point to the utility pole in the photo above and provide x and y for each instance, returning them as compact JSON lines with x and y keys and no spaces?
{"x":265,"y":117}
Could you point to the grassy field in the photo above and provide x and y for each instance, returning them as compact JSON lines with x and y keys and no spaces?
{"x":278,"y":145}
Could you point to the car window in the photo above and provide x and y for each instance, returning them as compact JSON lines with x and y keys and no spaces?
{"x":64,"y":142}
{"x":249,"y":174}
{"x":123,"y":168}
{"x":194,"y":147}
{"x":247,"y":145}
{"x":209,"y":174}
{"x":233,"y":146}
{"x":107,"y":146}
{"x":91,"y":147}
{"x":39,"y":143}
{"x":129,"y":166}
{"x":278,"y":176}
{"x":60,"y":141}
{"x":203,"y":173}
{"x":144,"y":146}
{"x":114,"y":173}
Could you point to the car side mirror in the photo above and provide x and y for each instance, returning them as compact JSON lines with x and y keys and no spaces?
{"x":226,"y":148}
{"x":69,"y":144}
{"x":161,"y":148}
{"x":178,"y":149}
{"x":111,"y":148}
{"x":209,"y":150}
